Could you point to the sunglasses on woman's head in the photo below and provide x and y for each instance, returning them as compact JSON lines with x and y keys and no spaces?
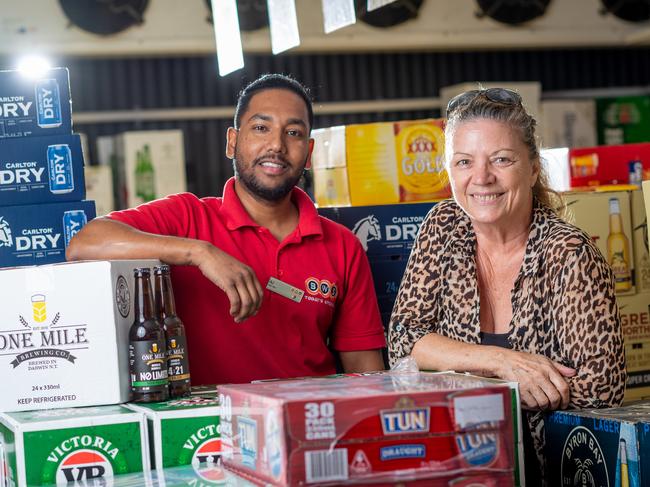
{"x":496,"y":95}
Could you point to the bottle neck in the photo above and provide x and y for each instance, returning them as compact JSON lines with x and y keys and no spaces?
{"x":144,"y":309}
{"x":165,"y":296}
{"x":615,"y":223}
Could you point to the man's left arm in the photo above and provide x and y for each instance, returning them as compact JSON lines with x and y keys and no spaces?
{"x":362,"y":361}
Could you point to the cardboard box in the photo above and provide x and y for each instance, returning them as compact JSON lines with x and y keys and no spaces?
{"x":383,"y":230}
{"x":605,"y":165}
{"x":329,"y":148}
{"x":623,"y":120}
{"x":39,"y":234}
{"x":151,"y":165}
{"x":556,"y":164}
{"x":372,"y":164}
{"x":35,"y":107}
{"x":530,"y":92}
{"x":64,"y":334}
{"x":331,"y":187}
{"x":378,"y":427}
{"x":599,"y":447}
{"x":635,"y":321}
{"x":87,"y":446}
{"x":640,"y":243}
{"x":184,"y":431}
{"x":568,"y":123}
{"x":99,"y":188}
{"x":589,"y":212}
{"x":41,"y":170}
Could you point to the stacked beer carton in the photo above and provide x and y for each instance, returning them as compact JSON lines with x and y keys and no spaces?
{"x":41,"y":169}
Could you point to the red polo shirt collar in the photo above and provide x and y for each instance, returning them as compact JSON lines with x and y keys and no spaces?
{"x":237,"y":216}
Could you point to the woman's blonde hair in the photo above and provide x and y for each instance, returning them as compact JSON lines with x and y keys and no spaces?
{"x":516,"y":116}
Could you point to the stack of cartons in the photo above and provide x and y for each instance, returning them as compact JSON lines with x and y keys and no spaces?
{"x":380,"y":163}
{"x":387,"y":234}
{"x":374,"y":428}
{"x":41,"y":170}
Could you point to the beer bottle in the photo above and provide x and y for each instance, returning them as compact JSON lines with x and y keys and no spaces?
{"x":177,"y":361}
{"x":147,"y":350}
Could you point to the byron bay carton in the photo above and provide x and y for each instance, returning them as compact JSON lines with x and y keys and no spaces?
{"x":35,"y":106}
{"x":379,"y":427}
{"x":41,"y":170}
{"x":39,"y":234}
{"x":72,"y":446}
{"x":64,"y":334}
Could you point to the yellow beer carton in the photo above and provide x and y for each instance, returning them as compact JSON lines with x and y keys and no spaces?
{"x":635,"y":320}
{"x":419,"y":149}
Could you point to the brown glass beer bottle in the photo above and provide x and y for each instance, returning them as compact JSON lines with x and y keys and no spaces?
{"x":177,"y":360}
{"x":147,"y":348}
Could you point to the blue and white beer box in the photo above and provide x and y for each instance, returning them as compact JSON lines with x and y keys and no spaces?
{"x":35,"y":106}
{"x":599,"y":447}
{"x":41,"y":170}
{"x":39,"y":234}
{"x":382,"y":229}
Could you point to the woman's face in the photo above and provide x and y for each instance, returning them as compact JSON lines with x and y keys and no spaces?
{"x":491,"y":173}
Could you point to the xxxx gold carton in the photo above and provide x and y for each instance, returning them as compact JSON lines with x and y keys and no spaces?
{"x":419,"y":149}
{"x":64,"y":334}
{"x":80,"y":446}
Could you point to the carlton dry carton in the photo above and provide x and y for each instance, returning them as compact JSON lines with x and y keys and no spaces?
{"x":64,"y":334}
{"x":185,"y":431}
{"x":39,"y":234}
{"x":380,"y":427}
{"x":35,"y":107}
{"x":80,"y":446}
{"x":41,"y":170}
{"x":606,"y":447}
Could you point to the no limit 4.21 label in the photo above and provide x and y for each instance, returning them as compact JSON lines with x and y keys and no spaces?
{"x":148,"y":366}
{"x":177,"y":363}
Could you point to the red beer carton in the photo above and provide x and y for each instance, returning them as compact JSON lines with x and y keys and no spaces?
{"x":372,"y":428}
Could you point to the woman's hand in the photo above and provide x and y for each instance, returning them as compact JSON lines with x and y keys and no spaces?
{"x":542,"y":383}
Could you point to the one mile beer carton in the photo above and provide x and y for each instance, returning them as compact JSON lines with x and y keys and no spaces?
{"x":39,"y":234}
{"x":599,"y":447}
{"x":35,"y":106}
{"x":185,"y":431}
{"x":64,"y":334}
{"x":379,"y":427}
{"x":41,"y":170}
{"x":72,"y":446}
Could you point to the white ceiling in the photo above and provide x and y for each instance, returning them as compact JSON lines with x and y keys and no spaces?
{"x":180,"y":27}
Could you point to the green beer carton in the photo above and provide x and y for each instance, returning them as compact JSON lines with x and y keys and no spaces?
{"x":80,"y":445}
{"x":185,"y":431}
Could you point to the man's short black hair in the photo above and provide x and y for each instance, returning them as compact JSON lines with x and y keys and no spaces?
{"x":270,"y":82}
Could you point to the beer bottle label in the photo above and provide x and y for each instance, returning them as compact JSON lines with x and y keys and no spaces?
{"x":177,"y":363}
{"x":148,"y":366}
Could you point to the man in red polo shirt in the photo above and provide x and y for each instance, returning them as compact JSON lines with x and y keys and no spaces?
{"x":262,"y":281}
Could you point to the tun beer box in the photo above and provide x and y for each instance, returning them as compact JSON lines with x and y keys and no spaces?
{"x":41,"y":170}
{"x":39,"y":234}
{"x":35,"y":106}
{"x":64,"y":334}
{"x":379,"y":427}
{"x":185,"y":431}
{"x":599,"y":447}
{"x":80,"y":446}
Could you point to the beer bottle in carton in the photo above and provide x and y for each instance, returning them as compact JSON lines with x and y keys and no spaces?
{"x":147,"y":347}
{"x":177,"y":361}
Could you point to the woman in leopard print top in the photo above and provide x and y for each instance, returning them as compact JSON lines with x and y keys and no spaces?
{"x":498,"y":285}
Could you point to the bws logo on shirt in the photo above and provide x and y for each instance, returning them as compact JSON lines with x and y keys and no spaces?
{"x":322,"y":288}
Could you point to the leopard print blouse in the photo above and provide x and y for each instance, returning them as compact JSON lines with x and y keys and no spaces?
{"x":563,"y":302}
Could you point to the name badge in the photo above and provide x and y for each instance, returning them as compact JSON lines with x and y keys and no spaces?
{"x":284,"y":289}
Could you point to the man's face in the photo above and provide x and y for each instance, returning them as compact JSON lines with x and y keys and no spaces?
{"x":272,"y":146}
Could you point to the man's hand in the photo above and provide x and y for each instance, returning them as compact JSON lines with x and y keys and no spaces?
{"x":542,"y":382}
{"x":235,"y":278}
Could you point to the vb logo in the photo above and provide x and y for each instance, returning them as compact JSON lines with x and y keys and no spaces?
{"x":83,"y":465}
